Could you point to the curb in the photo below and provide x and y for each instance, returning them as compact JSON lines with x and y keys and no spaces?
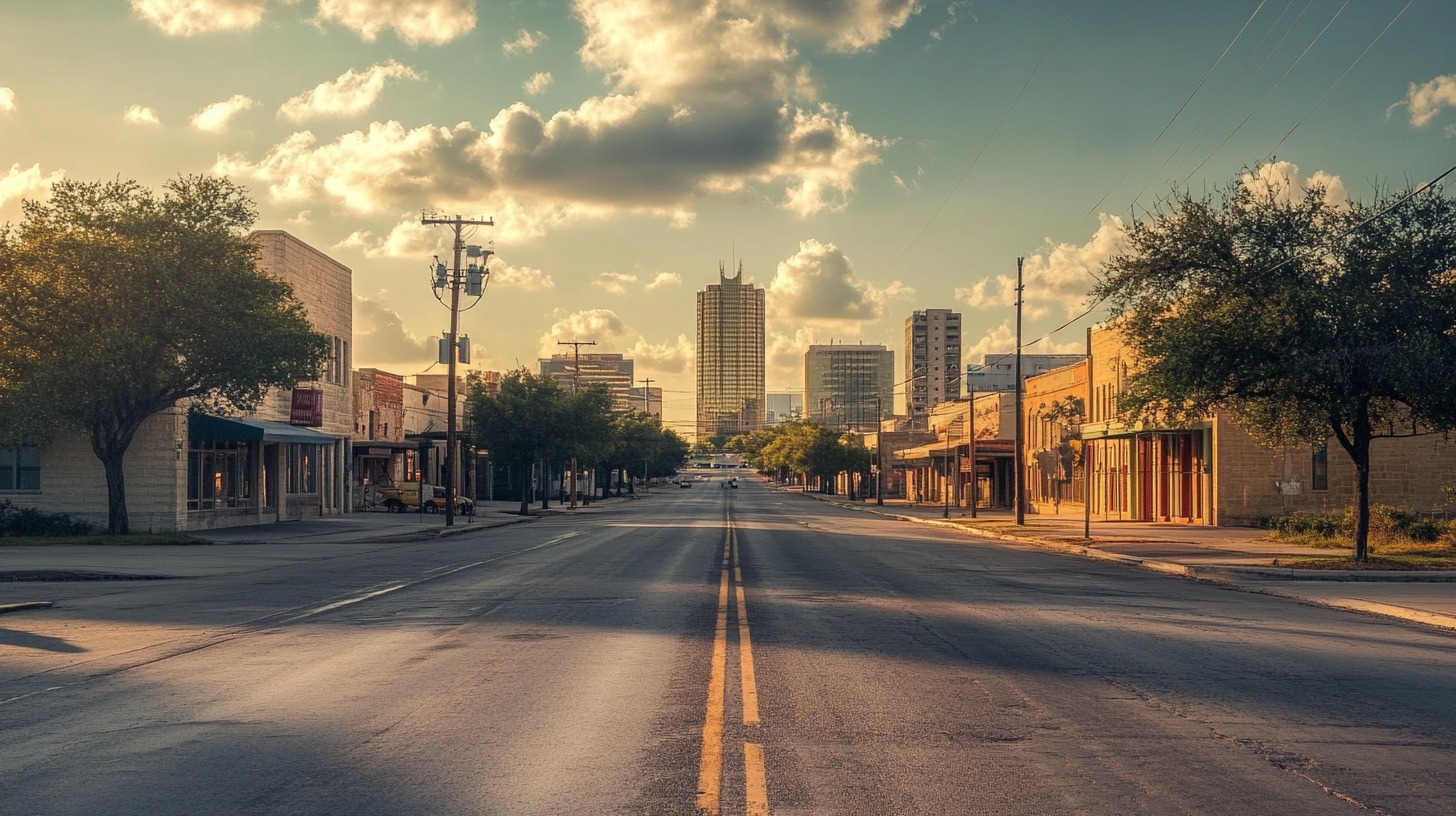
{"x":21,"y":607}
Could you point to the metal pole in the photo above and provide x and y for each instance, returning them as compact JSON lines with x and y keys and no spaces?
{"x":879,"y":455}
{"x":975,"y":472}
{"x":575,"y":383}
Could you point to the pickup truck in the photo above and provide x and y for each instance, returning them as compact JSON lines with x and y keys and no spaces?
{"x":405,"y":497}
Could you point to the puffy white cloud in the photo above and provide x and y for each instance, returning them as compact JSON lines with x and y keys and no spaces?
{"x":614,"y":282}
{"x":141,"y":115}
{"x":7,"y":100}
{"x":664,"y":279}
{"x":818,"y":283}
{"x":1426,"y":100}
{"x":538,"y":83}
{"x":415,"y":22}
{"x":1059,"y":275}
{"x":604,"y":326}
{"x":524,"y":43}
{"x":850,"y":25}
{"x":672,"y":357}
{"x":20,"y":183}
{"x":214,"y":118}
{"x":704,"y":101}
{"x":784,"y":356}
{"x":1001,"y":340}
{"x":1285,"y":182}
{"x":380,"y":336}
{"x":524,"y":278}
{"x":407,"y":239}
{"x":351,"y":94}
{"x":186,"y":18}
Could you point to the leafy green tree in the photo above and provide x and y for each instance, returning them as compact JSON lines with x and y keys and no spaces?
{"x":117,"y":302}
{"x":520,"y":424}
{"x":1304,"y":318}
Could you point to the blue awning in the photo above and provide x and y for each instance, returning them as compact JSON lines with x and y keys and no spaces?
{"x":235,"y":429}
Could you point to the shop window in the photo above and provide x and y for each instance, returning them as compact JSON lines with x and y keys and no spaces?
{"x":1319,"y":471}
{"x":219,"y":475}
{"x":19,"y":467}
{"x":303,"y":468}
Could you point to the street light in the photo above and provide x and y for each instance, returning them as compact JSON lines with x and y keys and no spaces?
{"x":453,"y":347}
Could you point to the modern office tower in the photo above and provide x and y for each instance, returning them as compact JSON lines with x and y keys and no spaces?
{"x":730,"y":357}
{"x":784,"y":406}
{"x":647,"y":400}
{"x":842,"y":384}
{"x":997,"y":372}
{"x":612,"y":370}
{"x":932,"y":361}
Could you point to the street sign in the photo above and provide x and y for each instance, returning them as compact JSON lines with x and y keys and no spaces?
{"x":975,"y":373}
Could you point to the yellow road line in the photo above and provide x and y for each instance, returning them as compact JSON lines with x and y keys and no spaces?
{"x":710,"y":767}
{"x":755,"y":780}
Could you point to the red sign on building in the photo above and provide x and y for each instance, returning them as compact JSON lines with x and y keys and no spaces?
{"x":307,"y":408}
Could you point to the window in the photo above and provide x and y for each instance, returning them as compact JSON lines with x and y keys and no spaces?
{"x":1319,"y":468}
{"x":19,"y":467}
{"x":219,"y":475}
{"x":303,"y":468}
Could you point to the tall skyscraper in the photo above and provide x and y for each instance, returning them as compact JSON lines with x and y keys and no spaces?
{"x":932,"y":361}
{"x":843,"y":382}
{"x":730,"y":357}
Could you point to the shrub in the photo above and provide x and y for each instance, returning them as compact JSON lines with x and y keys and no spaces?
{"x":28,"y":521}
{"x":1402,"y":523}
{"x":1328,"y":525}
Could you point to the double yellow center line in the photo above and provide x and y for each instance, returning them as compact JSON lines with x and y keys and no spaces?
{"x":710,"y":768}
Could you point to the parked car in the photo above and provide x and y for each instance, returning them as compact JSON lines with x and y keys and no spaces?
{"x":409,"y":497}
{"x":684,"y":483}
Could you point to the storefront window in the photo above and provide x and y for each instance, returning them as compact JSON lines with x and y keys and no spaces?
{"x":219,"y":475}
{"x":303,"y":468}
{"x":19,"y":467}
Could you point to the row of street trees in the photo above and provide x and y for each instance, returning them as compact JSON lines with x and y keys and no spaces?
{"x":804,"y":447}
{"x":533,"y":420}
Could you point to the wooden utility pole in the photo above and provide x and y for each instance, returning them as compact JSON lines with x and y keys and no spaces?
{"x":457,"y":225}
{"x":1019,"y":481}
{"x":575,"y":384}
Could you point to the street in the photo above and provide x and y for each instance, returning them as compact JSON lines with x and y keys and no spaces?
{"x":720,"y":651}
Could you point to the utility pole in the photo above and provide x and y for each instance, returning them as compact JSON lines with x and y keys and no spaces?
{"x":647,"y":409}
{"x":1020,"y":487}
{"x":975,"y":471}
{"x":472,"y":278}
{"x":879,"y":452}
{"x":575,"y":384}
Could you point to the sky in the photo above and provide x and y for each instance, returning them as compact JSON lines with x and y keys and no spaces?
{"x":860,"y":159}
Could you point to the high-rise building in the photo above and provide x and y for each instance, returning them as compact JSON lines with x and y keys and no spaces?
{"x":730,"y":357}
{"x":784,"y":406}
{"x":842,"y":384}
{"x":612,"y":370}
{"x":997,"y":372}
{"x":932,"y":361}
{"x":647,"y":400}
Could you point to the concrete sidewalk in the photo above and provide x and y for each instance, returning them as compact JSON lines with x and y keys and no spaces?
{"x":1241,"y":556}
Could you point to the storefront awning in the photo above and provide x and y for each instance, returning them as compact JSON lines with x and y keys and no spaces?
{"x":235,"y":429}
{"x":985,"y":449}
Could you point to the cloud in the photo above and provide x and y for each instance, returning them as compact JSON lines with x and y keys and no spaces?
{"x":818,"y":283}
{"x":1426,"y":100}
{"x":524,"y":278}
{"x":673,"y":357}
{"x":187,"y":18}
{"x":351,"y":94}
{"x":601,"y":325}
{"x":702,"y":104}
{"x":141,"y":115}
{"x":25,"y":183}
{"x":1001,"y":340}
{"x":784,"y":357}
{"x":214,"y":118}
{"x":7,"y":100}
{"x":538,"y":83}
{"x":854,"y":25}
{"x":1059,"y":275}
{"x":380,"y":337}
{"x":911,"y":185}
{"x":524,"y":43}
{"x":952,"y":16}
{"x":664,"y":279}
{"x":1284,"y":181}
{"x":415,"y":22}
{"x":614,"y":282}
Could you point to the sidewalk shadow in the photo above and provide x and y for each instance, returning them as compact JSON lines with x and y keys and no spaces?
{"x":29,"y":640}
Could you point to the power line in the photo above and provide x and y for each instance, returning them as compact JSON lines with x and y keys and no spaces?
{"x":987,"y":143}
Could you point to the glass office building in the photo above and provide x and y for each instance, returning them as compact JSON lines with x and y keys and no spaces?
{"x":849,"y":386}
{"x":730,"y":357}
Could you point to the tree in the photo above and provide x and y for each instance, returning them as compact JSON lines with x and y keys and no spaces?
{"x":1304,"y":317}
{"x":117,"y":303}
{"x":521,"y":423}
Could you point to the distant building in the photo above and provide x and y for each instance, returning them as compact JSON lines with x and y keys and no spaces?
{"x":730,"y":357}
{"x":784,"y":406}
{"x":646,"y":400}
{"x":612,"y":370}
{"x":932,"y":361}
{"x":997,"y":372}
{"x":844,"y":384}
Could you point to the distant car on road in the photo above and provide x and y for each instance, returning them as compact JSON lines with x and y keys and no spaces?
{"x":684,"y":483}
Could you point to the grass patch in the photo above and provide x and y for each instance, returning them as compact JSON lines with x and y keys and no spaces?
{"x":1375,"y":562}
{"x":101,"y":539}
{"x":1399,"y":540}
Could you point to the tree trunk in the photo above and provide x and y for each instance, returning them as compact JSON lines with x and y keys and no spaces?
{"x":1357,"y":446}
{"x":545,"y":485}
{"x":110,"y":445}
{"x":526,"y":470}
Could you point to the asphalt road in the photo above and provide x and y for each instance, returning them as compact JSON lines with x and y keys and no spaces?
{"x":713,"y":650}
